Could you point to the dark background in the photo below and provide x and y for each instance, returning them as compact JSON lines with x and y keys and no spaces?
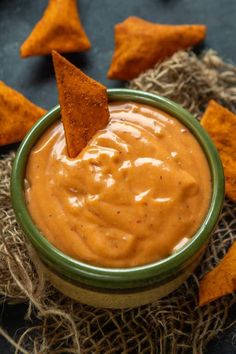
{"x":34,"y":77}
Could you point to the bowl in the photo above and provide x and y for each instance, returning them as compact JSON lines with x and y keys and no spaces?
{"x":119,"y":287}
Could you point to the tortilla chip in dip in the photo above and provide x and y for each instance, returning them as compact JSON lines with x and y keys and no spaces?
{"x":84,"y":104}
{"x":17,"y":115}
{"x":140,"y":44}
{"x":220,"y":123}
{"x":221,"y":280}
{"x":59,"y":29}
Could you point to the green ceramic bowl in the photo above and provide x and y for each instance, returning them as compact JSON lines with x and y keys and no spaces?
{"x":109,"y":287}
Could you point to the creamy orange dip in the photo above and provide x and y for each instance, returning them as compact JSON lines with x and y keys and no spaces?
{"x":137,"y":192}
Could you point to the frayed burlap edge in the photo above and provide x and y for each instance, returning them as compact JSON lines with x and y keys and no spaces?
{"x":174,"y":324}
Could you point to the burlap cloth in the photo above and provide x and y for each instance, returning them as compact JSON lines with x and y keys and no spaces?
{"x":174,"y":324}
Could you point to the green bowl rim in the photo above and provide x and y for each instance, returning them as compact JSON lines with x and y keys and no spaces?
{"x":118,"y":277}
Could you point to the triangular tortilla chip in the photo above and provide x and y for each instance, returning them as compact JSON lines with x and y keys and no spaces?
{"x":84,"y":104}
{"x":59,"y":29}
{"x":220,"y":123}
{"x":17,"y":115}
{"x":140,"y":44}
{"x":221,"y":280}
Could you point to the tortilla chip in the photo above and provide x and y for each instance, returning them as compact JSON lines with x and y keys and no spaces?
{"x":17,"y":115}
{"x":220,"y":123}
{"x":140,"y":44}
{"x":84,"y":104}
{"x":221,"y":280}
{"x":58,"y":29}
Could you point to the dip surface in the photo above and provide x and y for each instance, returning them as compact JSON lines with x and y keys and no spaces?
{"x":138,"y":191}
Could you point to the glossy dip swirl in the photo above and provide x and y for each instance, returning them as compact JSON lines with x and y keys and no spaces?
{"x":137,"y":192}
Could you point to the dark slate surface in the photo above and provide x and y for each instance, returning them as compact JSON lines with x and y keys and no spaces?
{"x":34,"y":76}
